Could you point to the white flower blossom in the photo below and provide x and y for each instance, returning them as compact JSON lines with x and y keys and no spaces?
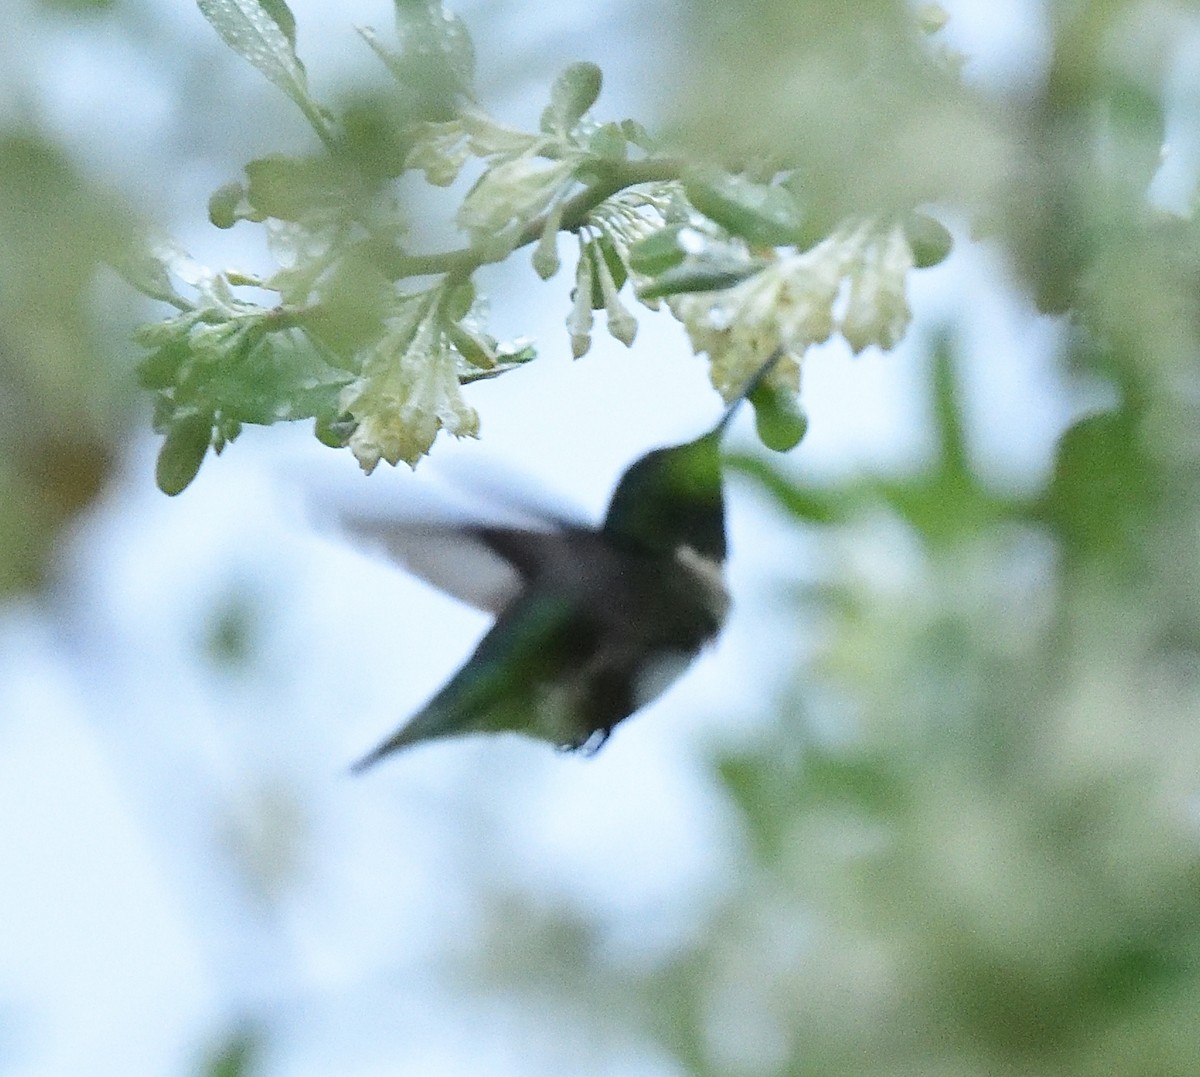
{"x":579,"y":321}
{"x":491,"y":138}
{"x":632,"y":214}
{"x":545,"y":255}
{"x":792,"y":304}
{"x":214,"y":291}
{"x":439,"y":150}
{"x":303,"y":253}
{"x":511,"y":194}
{"x":621,"y":324}
{"x":408,"y":390}
{"x":877,"y":312}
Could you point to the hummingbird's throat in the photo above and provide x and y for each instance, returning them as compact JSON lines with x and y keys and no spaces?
{"x":710,"y":579}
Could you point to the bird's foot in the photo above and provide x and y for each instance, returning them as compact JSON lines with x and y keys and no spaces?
{"x":590,"y":744}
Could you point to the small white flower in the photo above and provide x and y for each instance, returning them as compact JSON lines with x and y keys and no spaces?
{"x":878,"y":311}
{"x":579,"y":321}
{"x":545,"y":255}
{"x":512,"y":193}
{"x":303,"y":253}
{"x":621,"y":324}
{"x":408,"y":390}
{"x":632,"y":214}
{"x":440,"y":150}
{"x":788,"y":305}
{"x":490,"y":138}
{"x":791,"y":304}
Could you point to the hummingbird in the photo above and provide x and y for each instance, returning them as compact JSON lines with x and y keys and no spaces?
{"x":592,"y":623}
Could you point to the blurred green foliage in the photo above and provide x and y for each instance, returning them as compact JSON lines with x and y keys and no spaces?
{"x":62,"y":395}
{"x":968,"y":841}
{"x":77,"y":7}
{"x":239,"y":1054}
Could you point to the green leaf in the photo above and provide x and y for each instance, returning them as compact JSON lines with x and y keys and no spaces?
{"x":376,"y":135}
{"x":148,"y":271}
{"x":508,"y":195}
{"x":352,"y":301}
{"x":810,"y":505}
{"x":1136,"y":128}
{"x":223,"y":205}
{"x":290,"y":188}
{"x":766,"y":216}
{"x":257,"y":30}
{"x":573,"y":93}
{"x":436,"y":59}
{"x":483,"y":355}
{"x":160,"y":368}
{"x":1104,"y":489}
{"x":458,"y":301}
{"x":870,"y":785}
{"x":658,"y":252}
{"x":702,"y":274}
{"x":635,"y":133}
{"x":948,"y":500}
{"x":276,"y":380}
{"x":602,"y":248}
{"x":820,"y":217}
{"x":183,"y":452}
{"x":609,"y":143}
{"x":284,"y":19}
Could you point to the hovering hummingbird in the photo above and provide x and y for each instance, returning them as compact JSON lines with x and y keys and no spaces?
{"x":593,"y":623}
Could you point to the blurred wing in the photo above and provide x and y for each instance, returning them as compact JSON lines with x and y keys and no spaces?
{"x":454,"y":559}
{"x":483,"y":566}
{"x":481,"y":562}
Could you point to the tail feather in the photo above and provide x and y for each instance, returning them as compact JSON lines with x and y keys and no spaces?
{"x":432,"y":723}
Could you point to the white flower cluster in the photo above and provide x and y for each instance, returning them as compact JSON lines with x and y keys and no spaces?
{"x":525,"y":174}
{"x":622,"y":220}
{"x":795,"y":302}
{"x":408,"y":390}
{"x":213,"y":322}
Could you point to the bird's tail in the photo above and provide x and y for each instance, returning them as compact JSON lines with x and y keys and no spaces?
{"x":430,"y":724}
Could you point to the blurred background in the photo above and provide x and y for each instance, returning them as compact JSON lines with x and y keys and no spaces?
{"x":929,"y":806}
